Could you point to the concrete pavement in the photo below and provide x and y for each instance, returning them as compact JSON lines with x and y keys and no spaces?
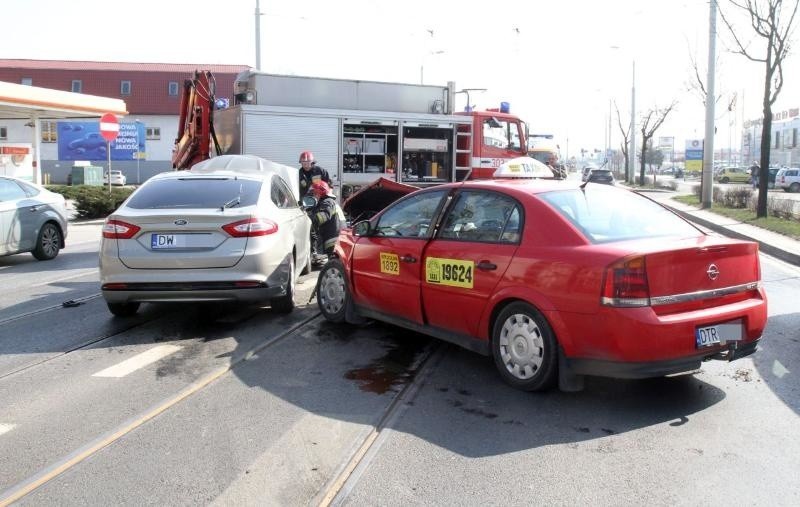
{"x":774,"y":244}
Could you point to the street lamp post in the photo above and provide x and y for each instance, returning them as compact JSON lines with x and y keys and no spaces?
{"x":632,"y":149}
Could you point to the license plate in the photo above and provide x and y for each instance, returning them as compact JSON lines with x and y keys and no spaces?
{"x":166,"y":241}
{"x":718,"y":334}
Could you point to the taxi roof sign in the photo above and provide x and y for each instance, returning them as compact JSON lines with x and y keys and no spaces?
{"x":523,"y":167}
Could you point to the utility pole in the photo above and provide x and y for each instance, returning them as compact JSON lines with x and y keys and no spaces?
{"x":632,"y":149}
{"x":258,"y":36}
{"x":708,"y":144}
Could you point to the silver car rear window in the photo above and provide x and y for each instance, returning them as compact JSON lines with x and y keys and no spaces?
{"x":196,"y":193}
{"x":605,"y":214}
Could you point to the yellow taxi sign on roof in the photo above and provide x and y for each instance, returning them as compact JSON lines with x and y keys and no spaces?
{"x":523,"y":167}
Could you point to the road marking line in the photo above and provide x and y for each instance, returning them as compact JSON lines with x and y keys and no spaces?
{"x":21,"y":489}
{"x":5,"y":428}
{"x":138,"y":361}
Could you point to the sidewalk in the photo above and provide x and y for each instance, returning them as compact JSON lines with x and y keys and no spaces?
{"x":774,"y":244}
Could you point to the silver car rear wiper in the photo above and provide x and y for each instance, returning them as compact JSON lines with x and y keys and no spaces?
{"x":233,"y":202}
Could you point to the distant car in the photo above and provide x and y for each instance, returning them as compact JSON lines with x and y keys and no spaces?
{"x":733,"y":175}
{"x":32,"y":219}
{"x":601,"y":176}
{"x":229,"y":229}
{"x":585,"y":172}
{"x":552,"y":279}
{"x":117,"y":178}
{"x":788,"y":179}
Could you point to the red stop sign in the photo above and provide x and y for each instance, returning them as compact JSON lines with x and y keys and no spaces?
{"x":109,"y":127}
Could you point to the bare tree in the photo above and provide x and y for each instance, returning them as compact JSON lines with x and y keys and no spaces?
{"x":651,"y":121}
{"x":626,"y":133}
{"x":769,"y":21}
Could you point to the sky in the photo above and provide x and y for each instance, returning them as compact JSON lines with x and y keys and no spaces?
{"x":565,"y":66}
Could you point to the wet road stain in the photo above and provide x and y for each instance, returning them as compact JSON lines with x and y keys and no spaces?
{"x":472,"y":411}
{"x":392,"y":370}
{"x":329,"y":331}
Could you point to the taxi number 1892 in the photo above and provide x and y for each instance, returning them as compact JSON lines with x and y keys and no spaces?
{"x":452,"y":272}
{"x":390,"y":263}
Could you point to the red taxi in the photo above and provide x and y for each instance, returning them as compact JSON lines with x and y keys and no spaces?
{"x":554,"y":280}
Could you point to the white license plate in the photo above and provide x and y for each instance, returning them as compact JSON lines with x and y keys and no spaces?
{"x":166,"y":241}
{"x":720,"y":333}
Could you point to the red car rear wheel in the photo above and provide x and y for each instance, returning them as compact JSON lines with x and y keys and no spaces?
{"x":524,"y":348}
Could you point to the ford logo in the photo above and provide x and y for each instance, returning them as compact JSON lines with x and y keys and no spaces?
{"x":712,"y":272}
{"x":181,"y":221}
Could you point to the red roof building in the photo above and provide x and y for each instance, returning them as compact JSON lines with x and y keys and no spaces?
{"x":146,"y":88}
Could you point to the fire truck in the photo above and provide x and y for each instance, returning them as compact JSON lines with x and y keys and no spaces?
{"x":358,"y":130}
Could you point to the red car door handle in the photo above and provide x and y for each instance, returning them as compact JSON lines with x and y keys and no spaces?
{"x":408,"y":258}
{"x":487,"y":266}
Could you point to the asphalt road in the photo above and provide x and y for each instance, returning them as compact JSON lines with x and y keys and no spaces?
{"x":188,"y":405}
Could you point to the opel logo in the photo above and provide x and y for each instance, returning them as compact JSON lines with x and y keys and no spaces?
{"x":712,"y":271}
{"x":181,"y":221}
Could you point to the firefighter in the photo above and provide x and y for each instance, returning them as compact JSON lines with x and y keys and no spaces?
{"x":558,"y":169}
{"x":327,"y":217}
{"x":310,"y":173}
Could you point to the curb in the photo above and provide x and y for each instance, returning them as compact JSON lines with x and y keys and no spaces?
{"x":780,"y":253}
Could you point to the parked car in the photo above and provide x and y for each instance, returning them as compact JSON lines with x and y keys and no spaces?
{"x":32,"y":219}
{"x":552,"y":279}
{"x":733,"y":175}
{"x":601,"y":176}
{"x":788,"y":179}
{"x":117,"y":178}
{"x":773,"y":173}
{"x":229,"y":229}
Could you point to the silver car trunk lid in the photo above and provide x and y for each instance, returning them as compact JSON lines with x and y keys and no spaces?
{"x":190,"y":239}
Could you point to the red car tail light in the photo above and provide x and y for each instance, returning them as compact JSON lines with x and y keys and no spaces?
{"x":117,"y":229}
{"x":625,"y":284}
{"x":251,"y":227}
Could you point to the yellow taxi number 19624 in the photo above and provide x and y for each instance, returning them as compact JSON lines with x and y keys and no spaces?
{"x":452,"y":272}
{"x":390,"y":263}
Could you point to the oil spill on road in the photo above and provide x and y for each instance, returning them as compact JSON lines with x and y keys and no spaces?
{"x":395,"y":368}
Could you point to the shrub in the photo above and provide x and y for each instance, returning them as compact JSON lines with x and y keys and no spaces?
{"x":780,"y":208}
{"x":91,"y":201}
{"x":739,"y":198}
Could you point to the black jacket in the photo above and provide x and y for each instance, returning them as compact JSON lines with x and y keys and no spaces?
{"x":307,"y":178}
{"x":328,"y":218}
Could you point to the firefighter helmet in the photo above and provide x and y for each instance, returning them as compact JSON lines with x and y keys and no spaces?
{"x":320,"y":189}
{"x":307,"y":156}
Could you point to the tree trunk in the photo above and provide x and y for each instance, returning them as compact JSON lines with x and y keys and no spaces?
{"x":642,"y":164}
{"x":766,"y":140}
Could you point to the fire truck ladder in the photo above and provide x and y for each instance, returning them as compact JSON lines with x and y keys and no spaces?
{"x":463,"y":151}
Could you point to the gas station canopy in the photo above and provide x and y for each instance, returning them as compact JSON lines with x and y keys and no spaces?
{"x":23,"y":102}
{"x":30,"y":102}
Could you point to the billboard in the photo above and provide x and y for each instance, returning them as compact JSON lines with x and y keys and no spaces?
{"x":82,"y":141}
{"x":694,"y":155}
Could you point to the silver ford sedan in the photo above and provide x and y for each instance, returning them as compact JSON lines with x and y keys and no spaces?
{"x":229,"y":229}
{"x":32,"y":219}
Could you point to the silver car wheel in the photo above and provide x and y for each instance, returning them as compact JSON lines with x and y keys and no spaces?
{"x":332,"y":293}
{"x":521,"y":346}
{"x":50,"y":241}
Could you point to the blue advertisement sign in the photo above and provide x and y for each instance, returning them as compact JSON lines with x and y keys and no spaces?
{"x":82,"y":141}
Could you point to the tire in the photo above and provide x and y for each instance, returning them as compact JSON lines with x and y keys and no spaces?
{"x":794,"y":187}
{"x":524,"y":349}
{"x":307,"y":264}
{"x":332,"y":293}
{"x":48,"y":243}
{"x":285,"y":303}
{"x":123,"y":309}
{"x":724,"y":180}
